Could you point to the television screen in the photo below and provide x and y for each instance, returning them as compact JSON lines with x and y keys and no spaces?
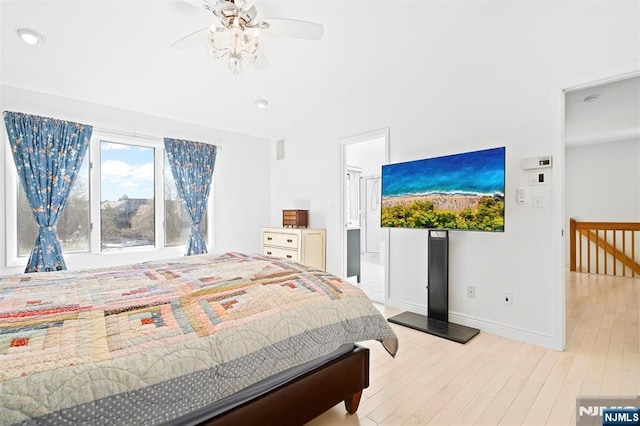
{"x":461,"y":191}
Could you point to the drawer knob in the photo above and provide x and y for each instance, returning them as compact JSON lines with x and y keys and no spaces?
{"x":289,"y":256}
{"x":269,"y":252}
{"x":269,"y":238}
{"x":289,"y":240}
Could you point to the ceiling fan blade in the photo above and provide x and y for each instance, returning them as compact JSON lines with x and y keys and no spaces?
{"x":295,"y":28}
{"x":191,"y":40}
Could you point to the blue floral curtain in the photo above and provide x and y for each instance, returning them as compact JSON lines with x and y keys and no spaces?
{"x":192,"y":166}
{"x":48,"y":154}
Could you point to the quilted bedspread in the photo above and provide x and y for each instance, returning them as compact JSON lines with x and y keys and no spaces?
{"x":150,"y":342}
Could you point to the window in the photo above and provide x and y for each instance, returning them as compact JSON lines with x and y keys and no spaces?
{"x":137,"y":207}
{"x":127,"y":208}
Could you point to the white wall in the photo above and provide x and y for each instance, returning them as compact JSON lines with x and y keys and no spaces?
{"x":474,"y":76}
{"x":241,"y":178}
{"x":602,"y":182}
{"x":368,"y":156}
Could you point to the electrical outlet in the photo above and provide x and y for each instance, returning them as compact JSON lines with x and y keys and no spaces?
{"x":507,"y":299}
{"x":471,"y":292}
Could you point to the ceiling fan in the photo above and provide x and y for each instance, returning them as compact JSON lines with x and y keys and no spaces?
{"x":235,"y":33}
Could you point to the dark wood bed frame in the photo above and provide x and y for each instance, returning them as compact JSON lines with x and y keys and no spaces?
{"x":305,"y":398}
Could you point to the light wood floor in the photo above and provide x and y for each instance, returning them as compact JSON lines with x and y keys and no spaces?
{"x":498,"y":381}
{"x":372,"y":278}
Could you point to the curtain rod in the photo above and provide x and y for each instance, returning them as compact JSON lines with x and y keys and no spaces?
{"x":134,"y":134}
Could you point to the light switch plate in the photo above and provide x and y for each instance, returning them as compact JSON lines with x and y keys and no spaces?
{"x":522,"y":195}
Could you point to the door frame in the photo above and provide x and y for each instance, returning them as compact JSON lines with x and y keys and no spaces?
{"x":364,"y":210}
{"x":344,"y":142}
{"x":558,"y":299}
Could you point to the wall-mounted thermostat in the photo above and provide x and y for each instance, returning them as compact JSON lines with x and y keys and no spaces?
{"x":537,"y":163}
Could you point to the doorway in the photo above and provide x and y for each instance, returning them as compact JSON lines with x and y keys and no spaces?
{"x":602,"y":159}
{"x":560,"y":195}
{"x":365,"y":254}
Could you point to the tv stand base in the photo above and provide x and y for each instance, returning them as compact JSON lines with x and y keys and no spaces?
{"x":447,"y":330}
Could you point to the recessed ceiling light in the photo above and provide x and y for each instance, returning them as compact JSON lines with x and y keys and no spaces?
{"x":30,"y":37}
{"x":261,"y":103}
{"x":592,"y":98}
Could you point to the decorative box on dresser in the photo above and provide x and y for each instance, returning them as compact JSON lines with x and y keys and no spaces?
{"x":303,"y":245}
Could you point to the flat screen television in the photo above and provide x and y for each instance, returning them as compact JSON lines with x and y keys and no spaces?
{"x":461,"y":191}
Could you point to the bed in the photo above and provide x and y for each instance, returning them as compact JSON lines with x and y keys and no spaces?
{"x":211,"y":339}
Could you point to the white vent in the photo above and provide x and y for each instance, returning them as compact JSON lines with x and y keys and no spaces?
{"x":280,"y":149}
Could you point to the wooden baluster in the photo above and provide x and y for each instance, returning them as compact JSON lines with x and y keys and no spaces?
{"x":598,"y":253}
{"x":603,"y":248}
{"x":580,"y":247}
{"x":588,"y":251}
{"x":572,"y":245}
{"x":633,"y":251}
{"x":624,"y":250}
{"x":605,"y":253}
{"x":615,"y":258}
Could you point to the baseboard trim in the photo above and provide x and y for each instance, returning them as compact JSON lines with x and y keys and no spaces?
{"x":516,"y":333}
{"x":404,"y":306}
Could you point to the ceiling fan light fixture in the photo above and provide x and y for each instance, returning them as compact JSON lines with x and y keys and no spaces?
{"x":236,"y":34}
{"x":235,"y":65}
{"x":238,"y":43}
{"x":30,"y":37}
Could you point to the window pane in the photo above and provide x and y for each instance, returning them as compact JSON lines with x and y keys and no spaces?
{"x":176,"y":222}
{"x":73,"y":225}
{"x":127,"y":215}
{"x":27,"y":228}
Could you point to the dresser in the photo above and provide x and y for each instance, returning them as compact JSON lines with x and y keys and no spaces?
{"x":303,"y":245}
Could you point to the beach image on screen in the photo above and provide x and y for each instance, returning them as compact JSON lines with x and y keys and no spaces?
{"x":461,"y":191}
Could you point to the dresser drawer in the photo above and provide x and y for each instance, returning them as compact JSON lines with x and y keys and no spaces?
{"x":302,"y":245}
{"x":280,"y":240}
{"x":280,"y":252}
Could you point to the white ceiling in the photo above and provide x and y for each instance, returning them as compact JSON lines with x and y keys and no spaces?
{"x":614,"y":115}
{"x":117,"y":53}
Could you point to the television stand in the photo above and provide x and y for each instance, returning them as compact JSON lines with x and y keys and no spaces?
{"x":437,"y":320}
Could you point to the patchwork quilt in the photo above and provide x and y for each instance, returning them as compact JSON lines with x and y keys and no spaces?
{"x":150,"y":342}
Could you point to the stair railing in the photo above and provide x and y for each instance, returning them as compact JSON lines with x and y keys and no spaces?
{"x":608,"y":248}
